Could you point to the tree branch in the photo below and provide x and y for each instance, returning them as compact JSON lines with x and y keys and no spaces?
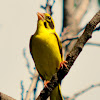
{"x":5,"y":97}
{"x":80,"y":11}
{"x":71,"y":57}
{"x":68,"y":12}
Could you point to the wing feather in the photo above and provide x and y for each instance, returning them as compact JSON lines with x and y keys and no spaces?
{"x":59,"y":44}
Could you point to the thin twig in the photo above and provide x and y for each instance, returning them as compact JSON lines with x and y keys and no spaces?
{"x":48,"y":7}
{"x":93,"y":44}
{"x":22,"y":88}
{"x":33,"y":85}
{"x":82,"y":92}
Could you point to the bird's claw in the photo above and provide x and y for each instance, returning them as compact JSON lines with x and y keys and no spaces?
{"x":45,"y":83}
{"x":64,"y":63}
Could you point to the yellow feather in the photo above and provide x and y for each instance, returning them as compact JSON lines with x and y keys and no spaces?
{"x":45,"y":48}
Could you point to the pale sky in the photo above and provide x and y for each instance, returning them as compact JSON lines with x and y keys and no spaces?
{"x":18,"y":21}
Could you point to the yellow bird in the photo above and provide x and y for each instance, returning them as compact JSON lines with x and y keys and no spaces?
{"x":46,"y":51}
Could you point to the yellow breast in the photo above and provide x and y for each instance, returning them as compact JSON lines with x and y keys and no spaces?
{"x":46,"y":54}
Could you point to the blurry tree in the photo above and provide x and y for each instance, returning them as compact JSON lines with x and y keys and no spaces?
{"x":74,"y":11}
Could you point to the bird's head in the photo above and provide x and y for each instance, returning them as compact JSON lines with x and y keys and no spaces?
{"x":45,"y":21}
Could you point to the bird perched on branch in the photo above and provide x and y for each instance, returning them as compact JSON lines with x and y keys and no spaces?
{"x":46,"y":51}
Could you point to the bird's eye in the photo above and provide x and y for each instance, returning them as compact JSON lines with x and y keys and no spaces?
{"x":49,"y":17}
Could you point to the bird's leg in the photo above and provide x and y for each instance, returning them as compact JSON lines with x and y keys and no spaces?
{"x":64,"y":63}
{"x":45,"y":83}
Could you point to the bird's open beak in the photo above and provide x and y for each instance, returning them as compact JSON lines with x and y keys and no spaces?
{"x":41,"y":16}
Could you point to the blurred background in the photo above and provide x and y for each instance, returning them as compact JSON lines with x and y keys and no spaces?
{"x":18,"y":21}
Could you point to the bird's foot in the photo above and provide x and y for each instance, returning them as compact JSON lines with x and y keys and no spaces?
{"x":45,"y":83}
{"x":64,"y":63}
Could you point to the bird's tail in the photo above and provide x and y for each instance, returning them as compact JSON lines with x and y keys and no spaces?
{"x":56,"y":94}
